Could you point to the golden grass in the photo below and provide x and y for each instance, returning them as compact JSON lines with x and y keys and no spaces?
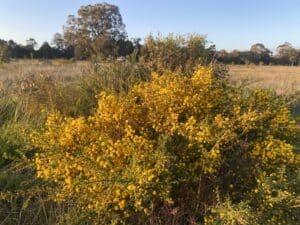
{"x":284,"y":79}
{"x":60,"y":69}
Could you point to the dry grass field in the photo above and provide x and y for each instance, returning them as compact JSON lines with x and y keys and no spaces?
{"x":284,"y":79}
{"x":60,"y":68}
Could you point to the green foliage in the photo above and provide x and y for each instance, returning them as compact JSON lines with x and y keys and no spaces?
{"x":114,"y":77}
{"x":97,"y":29}
{"x":276,"y":197}
{"x":228,"y":213}
{"x":4,"y":54}
{"x":176,"y":52}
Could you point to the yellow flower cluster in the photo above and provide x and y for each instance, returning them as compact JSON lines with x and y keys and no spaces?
{"x":126,"y":157}
{"x":273,"y":152}
{"x":276,"y":201}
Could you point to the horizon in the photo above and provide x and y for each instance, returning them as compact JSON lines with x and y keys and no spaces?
{"x":228,"y":25}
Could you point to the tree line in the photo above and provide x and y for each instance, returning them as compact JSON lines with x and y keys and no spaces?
{"x":285,"y":54}
{"x":11,"y":49}
{"x":98,"y":30}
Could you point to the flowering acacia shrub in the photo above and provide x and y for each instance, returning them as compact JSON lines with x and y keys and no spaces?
{"x":171,"y":142}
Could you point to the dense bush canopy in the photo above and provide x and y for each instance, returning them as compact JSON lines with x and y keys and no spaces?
{"x":177,"y":148}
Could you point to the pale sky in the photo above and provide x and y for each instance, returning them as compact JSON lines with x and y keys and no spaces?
{"x":229,"y":24}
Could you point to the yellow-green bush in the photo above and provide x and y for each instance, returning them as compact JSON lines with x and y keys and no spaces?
{"x":227,"y":213}
{"x":169,"y":143}
{"x":176,"y":52}
{"x":4,"y":54}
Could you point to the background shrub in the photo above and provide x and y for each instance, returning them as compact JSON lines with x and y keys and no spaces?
{"x":4,"y":54}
